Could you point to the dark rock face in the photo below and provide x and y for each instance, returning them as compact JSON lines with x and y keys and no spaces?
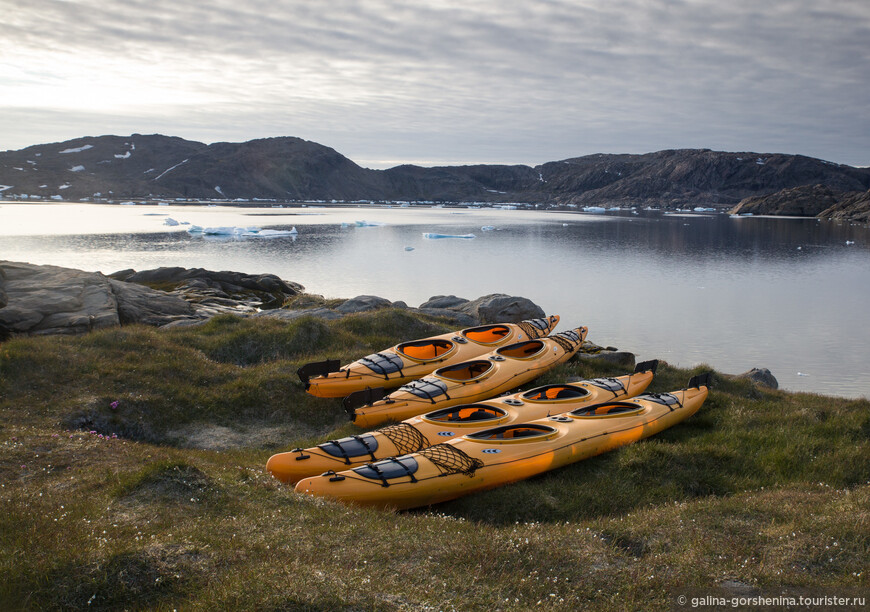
{"x":284,"y":169}
{"x":760,"y":376}
{"x":853,"y":206}
{"x":810,"y":201}
{"x":806,"y":201}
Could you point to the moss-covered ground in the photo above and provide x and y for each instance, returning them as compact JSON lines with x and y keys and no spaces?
{"x":132,"y":477}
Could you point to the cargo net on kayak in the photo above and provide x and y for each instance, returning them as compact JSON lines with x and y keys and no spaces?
{"x":451,"y":460}
{"x":406,"y":438}
{"x":568,"y":340}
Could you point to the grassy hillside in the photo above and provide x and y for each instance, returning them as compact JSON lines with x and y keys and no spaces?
{"x":132,"y":477}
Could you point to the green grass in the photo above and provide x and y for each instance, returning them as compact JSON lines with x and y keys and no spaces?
{"x":162,"y":502}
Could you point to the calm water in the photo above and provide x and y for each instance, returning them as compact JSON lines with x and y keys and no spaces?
{"x":787,"y":294}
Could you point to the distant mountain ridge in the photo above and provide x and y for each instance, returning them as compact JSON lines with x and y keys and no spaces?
{"x":289,"y":168}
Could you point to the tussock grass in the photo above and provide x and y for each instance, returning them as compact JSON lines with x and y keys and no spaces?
{"x":116,"y":508}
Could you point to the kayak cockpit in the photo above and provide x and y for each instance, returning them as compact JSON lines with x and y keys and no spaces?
{"x":607,"y":410}
{"x":487,"y":334}
{"x":466,"y":413}
{"x":522,"y":350}
{"x":466,"y":371}
{"x":555,"y":393}
{"x":527,"y":432}
{"x":426,"y":350}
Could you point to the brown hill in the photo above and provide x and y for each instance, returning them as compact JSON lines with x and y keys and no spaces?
{"x":288,"y":169}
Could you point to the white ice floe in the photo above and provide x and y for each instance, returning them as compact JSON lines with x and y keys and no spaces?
{"x":5,"y":187}
{"x":124,"y":156}
{"x":594,"y":209}
{"x":76,"y":168}
{"x":77,"y":149}
{"x":409,"y":248}
{"x":170,"y":221}
{"x":194,"y":229}
{"x":487,"y":228}
{"x":369,"y":223}
{"x":802,"y":374}
{"x":64,"y":186}
{"x":703,"y":209}
{"x":850,"y":242}
{"x":432,"y":236}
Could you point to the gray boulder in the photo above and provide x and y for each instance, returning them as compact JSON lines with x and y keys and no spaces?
{"x":760,"y":376}
{"x":363,"y":303}
{"x":450,"y":302}
{"x":501,"y":308}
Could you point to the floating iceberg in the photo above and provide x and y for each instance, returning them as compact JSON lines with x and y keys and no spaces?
{"x":487,"y":228}
{"x":409,"y":248}
{"x":594,"y":209}
{"x":431,"y":236}
{"x":269,"y":233}
{"x":194,"y":229}
{"x":369,"y":223}
{"x":170,"y":221}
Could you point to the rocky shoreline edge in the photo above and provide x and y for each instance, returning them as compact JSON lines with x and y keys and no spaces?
{"x":54,"y":300}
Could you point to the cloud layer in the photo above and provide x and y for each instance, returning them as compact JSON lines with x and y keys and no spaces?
{"x":387,"y":82}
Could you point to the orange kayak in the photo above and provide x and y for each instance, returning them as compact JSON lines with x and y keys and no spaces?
{"x":501,"y":370}
{"x":409,"y":361}
{"x":417,"y":433}
{"x":507,"y":453}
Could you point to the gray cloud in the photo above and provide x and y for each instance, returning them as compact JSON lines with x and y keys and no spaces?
{"x":384,"y":81}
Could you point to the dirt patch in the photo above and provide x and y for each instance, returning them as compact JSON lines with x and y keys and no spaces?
{"x":207,"y":436}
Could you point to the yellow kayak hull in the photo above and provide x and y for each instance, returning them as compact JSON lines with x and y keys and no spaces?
{"x":417,"y":433}
{"x":501,"y":370}
{"x":409,"y":361}
{"x":502,"y":455}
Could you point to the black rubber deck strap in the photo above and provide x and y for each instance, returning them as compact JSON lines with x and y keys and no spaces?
{"x":366,"y":397}
{"x":652,"y":365}
{"x":701,"y":380}
{"x":368,"y":448}
{"x":318,"y":368}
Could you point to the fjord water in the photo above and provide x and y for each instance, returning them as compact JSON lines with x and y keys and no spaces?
{"x":790,"y":295}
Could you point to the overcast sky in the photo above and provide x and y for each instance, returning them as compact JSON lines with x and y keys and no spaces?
{"x":386,"y":82}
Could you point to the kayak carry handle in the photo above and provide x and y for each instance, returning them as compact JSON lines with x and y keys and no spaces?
{"x":701,"y":380}
{"x":318,"y":368}
{"x":652,"y":365}
{"x":358,"y":399}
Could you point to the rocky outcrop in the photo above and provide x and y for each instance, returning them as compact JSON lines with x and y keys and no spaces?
{"x":285,"y":169}
{"x":55,"y":300}
{"x":810,"y":201}
{"x":492,"y":308}
{"x":853,"y":206}
{"x":236,"y":291}
{"x":760,"y":376}
{"x":806,"y":201}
